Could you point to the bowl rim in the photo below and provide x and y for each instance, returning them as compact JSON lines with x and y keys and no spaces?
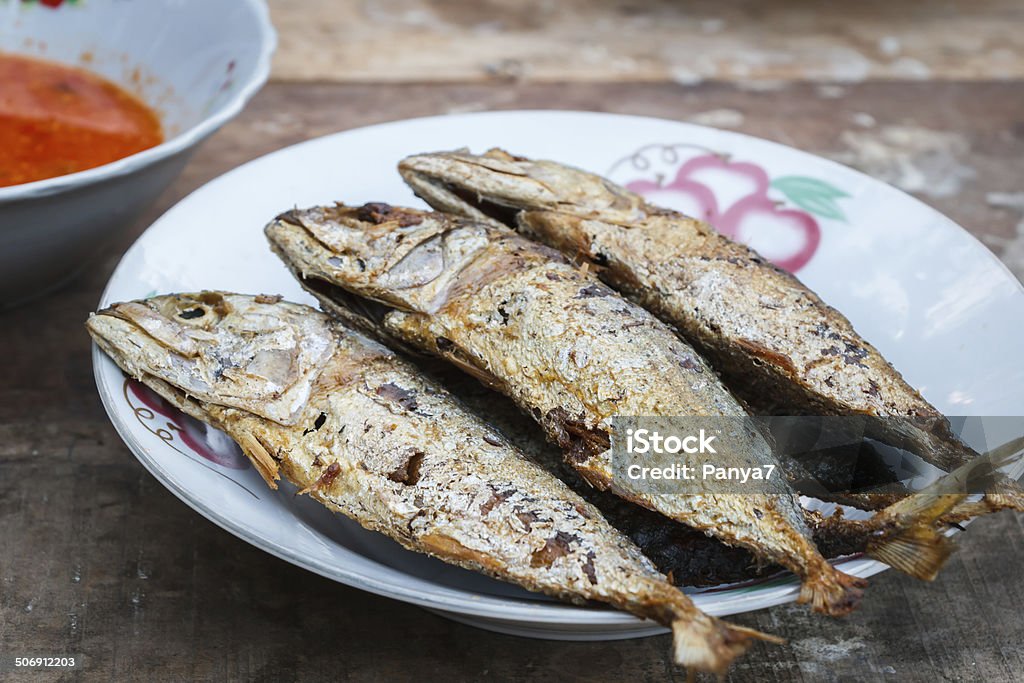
{"x":171,"y":146}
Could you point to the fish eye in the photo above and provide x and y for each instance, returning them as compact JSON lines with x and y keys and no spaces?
{"x":192,"y":313}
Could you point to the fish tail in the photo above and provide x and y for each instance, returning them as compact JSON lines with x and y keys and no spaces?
{"x":1007,"y":495}
{"x":1006,"y":501}
{"x":704,"y":643}
{"x":993,"y":501}
{"x":919,"y":552}
{"x":911,"y":543}
{"x":830,"y":591}
{"x":1004,"y":493}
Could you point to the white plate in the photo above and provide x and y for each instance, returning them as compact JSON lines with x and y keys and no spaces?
{"x":939,"y":305}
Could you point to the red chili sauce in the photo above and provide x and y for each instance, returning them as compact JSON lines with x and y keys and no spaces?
{"x":57,"y":119}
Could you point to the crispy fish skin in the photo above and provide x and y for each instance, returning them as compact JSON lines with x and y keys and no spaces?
{"x":564,"y":347}
{"x":906,"y":536}
{"x":368,"y":437}
{"x":775,"y":342}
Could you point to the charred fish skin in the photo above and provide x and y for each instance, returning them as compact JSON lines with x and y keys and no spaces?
{"x":362,"y":432}
{"x":776,"y":343}
{"x":564,"y":347}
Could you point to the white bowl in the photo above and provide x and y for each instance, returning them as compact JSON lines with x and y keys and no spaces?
{"x":196,"y":62}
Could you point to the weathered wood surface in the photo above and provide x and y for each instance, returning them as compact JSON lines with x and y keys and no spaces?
{"x":98,"y":559}
{"x":647,"y":40}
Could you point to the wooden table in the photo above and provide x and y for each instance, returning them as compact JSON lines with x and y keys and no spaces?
{"x":100,"y":560}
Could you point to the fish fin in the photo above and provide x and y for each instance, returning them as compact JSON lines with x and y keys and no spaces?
{"x":916,"y":547}
{"x":921,"y":508}
{"x":481,"y":375}
{"x":260,"y":458}
{"x":1006,"y":501}
{"x":831,"y":591}
{"x":912,"y":544}
{"x":708,"y":644}
{"x":1004,"y":494}
{"x":919,"y":552}
{"x":1007,"y":494}
{"x":993,"y":501}
{"x":969,"y":509}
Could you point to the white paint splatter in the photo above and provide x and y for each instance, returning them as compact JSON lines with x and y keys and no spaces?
{"x":1012,"y":252}
{"x":593,"y":54}
{"x":466,"y":107}
{"x":846,"y":66}
{"x":907,"y":67}
{"x":831,"y":92}
{"x":821,"y":650}
{"x":889,"y":46}
{"x":914,"y":159}
{"x":684,"y":76}
{"x":279,"y":123}
{"x":863,"y":119}
{"x":762,"y":85}
{"x":719,"y":118}
{"x":506,"y":69}
{"x":394,"y":13}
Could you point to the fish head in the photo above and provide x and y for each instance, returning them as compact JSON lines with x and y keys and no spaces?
{"x":496,"y":186}
{"x":257,"y":354}
{"x":377,"y":258}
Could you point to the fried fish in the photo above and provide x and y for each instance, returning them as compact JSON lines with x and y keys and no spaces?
{"x":361,"y":431}
{"x":777,"y":345}
{"x":899,"y":535}
{"x":564,"y":347}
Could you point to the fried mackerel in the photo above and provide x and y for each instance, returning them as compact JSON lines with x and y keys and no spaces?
{"x":567,"y":349}
{"x":898,"y":535}
{"x":362,"y":432}
{"x":777,"y":345}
